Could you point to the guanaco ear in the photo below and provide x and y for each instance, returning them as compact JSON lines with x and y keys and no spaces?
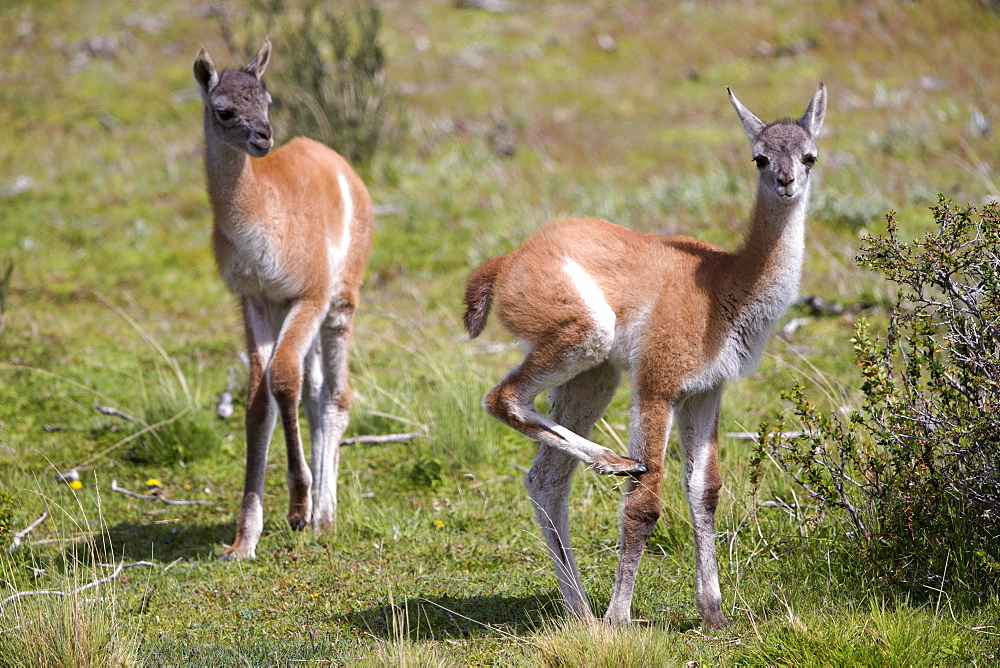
{"x":257,"y":66}
{"x":204,"y":71}
{"x":812,"y":120}
{"x":751,"y":124}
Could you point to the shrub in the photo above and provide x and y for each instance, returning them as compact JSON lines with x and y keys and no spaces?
{"x":183,"y":433}
{"x":328,"y":73}
{"x":4,"y":291}
{"x":6,"y":517}
{"x":916,"y":469}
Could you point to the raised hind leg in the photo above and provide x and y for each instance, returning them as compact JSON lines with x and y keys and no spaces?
{"x":547,"y":366}
{"x":576,"y":405}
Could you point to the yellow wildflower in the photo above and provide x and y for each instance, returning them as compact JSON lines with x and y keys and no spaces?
{"x":439,"y":524}
{"x":153,"y":482}
{"x":75,"y":484}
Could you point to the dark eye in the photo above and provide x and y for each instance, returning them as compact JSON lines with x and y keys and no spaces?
{"x":225,"y":115}
{"x":809,"y":160}
{"x":761,"y":161}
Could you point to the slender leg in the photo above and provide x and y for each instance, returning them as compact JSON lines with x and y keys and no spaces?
{"x":261,"y":323}
{"x":576,"y":405}
{"x":641,"y":506}
{"x":335,"y":404}
{"x":512,"y":402}
{"x":698,"y":424}
{"x":312,"y":397}
{"x":297,"y":335}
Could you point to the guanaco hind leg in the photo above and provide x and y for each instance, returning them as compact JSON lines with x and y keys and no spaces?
{"x":512,"y":402}
{"x":576,"y":405}
{"x":334,"y":408}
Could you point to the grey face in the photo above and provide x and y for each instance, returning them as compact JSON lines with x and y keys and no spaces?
{"x":784,"y":151}
{"x":236,"y":102}
{"x":239,"y":107}
{"x":784,"y":154}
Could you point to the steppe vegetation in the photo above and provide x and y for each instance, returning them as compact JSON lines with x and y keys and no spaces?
{"x":109,"y":297}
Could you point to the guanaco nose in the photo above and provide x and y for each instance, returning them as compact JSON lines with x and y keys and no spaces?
{"x":262,"y":132}
{"x":785,"y":180}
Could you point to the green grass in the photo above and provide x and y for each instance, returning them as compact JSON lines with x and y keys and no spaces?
{"x":436,"y":558}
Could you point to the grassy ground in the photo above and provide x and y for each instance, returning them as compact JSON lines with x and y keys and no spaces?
{"x":114,"y":300}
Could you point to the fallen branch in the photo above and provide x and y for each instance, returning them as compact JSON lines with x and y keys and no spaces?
{"x":224,"y":408}
{"x":114,"y":412}
{"x":375,"y":439}
{"x":90,"y":585}
{"x":19,"y":536}
{"x":753,"y":436}
{"x":157,"y":497}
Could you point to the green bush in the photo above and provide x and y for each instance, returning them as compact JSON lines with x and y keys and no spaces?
{"x":916,"y":469}
{"x":182,"y":433}
{"x":4,"y":291}
{"x":6,"y":517}
{"x":328,"y":72}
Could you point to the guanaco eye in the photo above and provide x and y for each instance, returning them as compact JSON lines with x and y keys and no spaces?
{"x":809,"y":160}
{"x":761,"y":161}
{"x":225,"y":115}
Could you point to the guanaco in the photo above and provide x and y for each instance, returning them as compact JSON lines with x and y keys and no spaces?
{"x":292,"y":233}
{"x":589,"y":299}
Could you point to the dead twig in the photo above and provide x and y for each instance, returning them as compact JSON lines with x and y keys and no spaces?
{"x":224,"y":407}
{"x":90,"y":585}
{"x":114,"y":412}
{"x":752,"y":435}
{"x":375,"y":439}
{"x":19,"y":536}
{"x":157,"y":497}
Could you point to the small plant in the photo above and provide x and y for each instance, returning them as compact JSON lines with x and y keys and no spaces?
{"x":592,"y":643}
{"x":65,"y":631}
{"x":6,"y":517}
{"x":330,"y":73}
{"x":4,"y":292}
{"x":916,"y":469}
{"x":68,"y":613}
{"x":185,"y":433}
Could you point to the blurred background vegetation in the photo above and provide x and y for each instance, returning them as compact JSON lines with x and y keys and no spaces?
{"x":473,"y":122}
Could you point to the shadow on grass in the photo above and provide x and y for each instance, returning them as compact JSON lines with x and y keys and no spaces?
{"x":166,"y":542}
{"x":457,"y":617}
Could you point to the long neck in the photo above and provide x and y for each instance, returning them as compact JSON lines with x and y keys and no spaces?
{"x":231,"y":179}
{"x":770,"y":262}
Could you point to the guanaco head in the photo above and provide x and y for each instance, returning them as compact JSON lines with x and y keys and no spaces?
{"x":784,"y":151}
{"x":236,"y":102}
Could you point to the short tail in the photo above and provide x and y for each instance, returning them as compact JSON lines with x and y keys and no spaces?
{"x":479,"y":295}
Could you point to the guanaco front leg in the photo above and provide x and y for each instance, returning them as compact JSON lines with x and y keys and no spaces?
{"x":698,"y":424}
{"x":298,"y":333}
{"x":641,"y":506}
{"x":261,"y":322}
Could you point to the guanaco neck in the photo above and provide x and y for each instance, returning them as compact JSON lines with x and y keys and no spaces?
{"x":768,"y":267}
{"x":231,"y":181}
